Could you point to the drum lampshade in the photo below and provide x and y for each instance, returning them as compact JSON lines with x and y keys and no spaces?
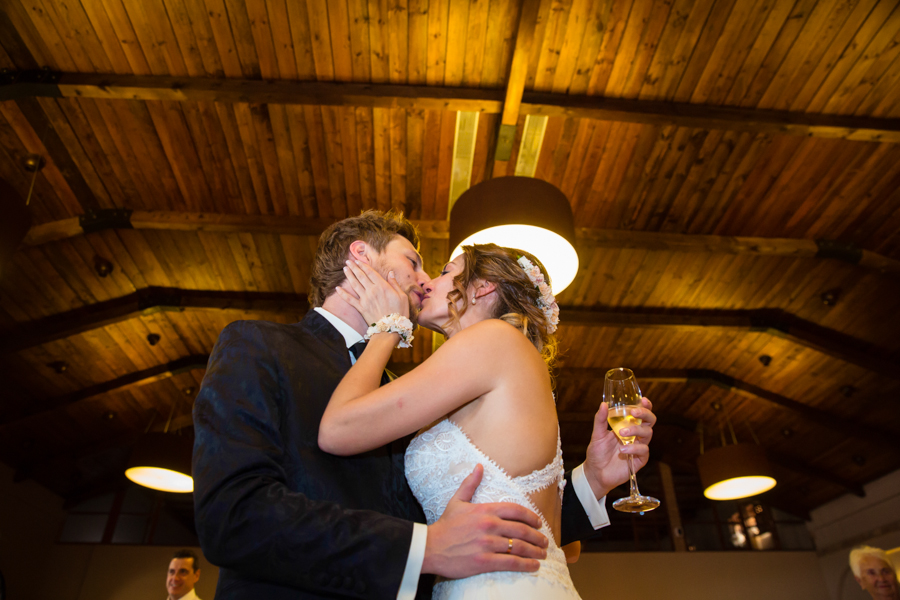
{"x":735,"y":471}
{"x":162,"y":462}
{"x":519,"y":212}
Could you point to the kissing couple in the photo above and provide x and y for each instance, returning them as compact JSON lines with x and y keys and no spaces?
{"x":308,"y":480}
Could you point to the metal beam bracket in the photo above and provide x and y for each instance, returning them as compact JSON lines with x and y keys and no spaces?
{"x":151,"y":300}
{"x":505,"y":139}
{"x":845,"y":251}
{"x":98,"y":219}
{"x":22,"y":84}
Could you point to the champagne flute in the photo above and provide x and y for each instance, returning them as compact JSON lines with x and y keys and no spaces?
{"x":622,"y":394}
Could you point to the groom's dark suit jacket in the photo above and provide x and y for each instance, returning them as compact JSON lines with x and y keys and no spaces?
{"x":279,"y":516}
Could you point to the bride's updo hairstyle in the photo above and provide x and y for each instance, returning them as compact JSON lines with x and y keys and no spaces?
{"x":515,"y":299}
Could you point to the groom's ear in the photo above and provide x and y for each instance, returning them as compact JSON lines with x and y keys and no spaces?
{"x":359,"y":250}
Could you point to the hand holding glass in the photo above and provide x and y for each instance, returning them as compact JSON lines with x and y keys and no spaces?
{"x":622,"y":394}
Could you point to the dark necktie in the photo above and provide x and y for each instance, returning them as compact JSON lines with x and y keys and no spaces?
{"x":357,"y":349}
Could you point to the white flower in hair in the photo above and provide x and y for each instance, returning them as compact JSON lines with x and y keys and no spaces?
{"x":547,"y":301}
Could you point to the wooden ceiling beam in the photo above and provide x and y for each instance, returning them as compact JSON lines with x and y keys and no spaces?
{"x":769,"y":321}
{"x":152,"y":299}
{"x":125,"y":382}
{"x":836,"y":423}
{"x":587,"y":238}
{"x":140,"y":87}
{"x":515,"y":86}
{"x":144,"y":302}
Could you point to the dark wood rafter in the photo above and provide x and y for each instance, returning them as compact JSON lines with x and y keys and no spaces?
{"x":586,"y":237}
{"x":708,"y":377}
{"x":133,"y":87}
{"x":125,"y":382}
{"x":152,"y":299}
{"x":143,"y":302}
{"x":772,"y":322}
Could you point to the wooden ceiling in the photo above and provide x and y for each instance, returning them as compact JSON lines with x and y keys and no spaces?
{"x":733,"y":166}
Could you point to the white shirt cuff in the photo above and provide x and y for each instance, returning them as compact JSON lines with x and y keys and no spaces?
{"x":595,"y":509}
{"x":410,"y":581}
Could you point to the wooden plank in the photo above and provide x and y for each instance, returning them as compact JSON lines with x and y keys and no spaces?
{"x":243,"y":38}
{"x":124,"y":34}
{"x":298,"y":17}
{"x":74,"y":143}
{"x":180,"y":21}
{"x":302,"y":162}
{"x":417,"y":55}
{"x":36,"y":132}
{"x":261,"y":29}
{"x":365,"y":152}
{"x":224,"y":38}
{"x":21,"y":41}
{"x":360,"y":54}
{"x":476,"y":40}
{"x":438,"y":22}
{"x":455,"y":57}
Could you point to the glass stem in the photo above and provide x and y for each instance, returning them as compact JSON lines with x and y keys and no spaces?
{"x":635,"y":492}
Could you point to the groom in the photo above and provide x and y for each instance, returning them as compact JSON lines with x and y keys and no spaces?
{"x":285,"y":520}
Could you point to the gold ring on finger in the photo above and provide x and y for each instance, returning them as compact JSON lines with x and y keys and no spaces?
{"x":509,"y":547}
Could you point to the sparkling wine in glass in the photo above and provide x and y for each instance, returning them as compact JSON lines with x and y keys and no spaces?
{"x":622,"y":394}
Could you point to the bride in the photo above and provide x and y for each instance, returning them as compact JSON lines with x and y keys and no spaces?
{"x":484,"y":397}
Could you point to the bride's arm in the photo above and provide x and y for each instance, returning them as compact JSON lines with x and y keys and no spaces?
{"x":467,"y":366}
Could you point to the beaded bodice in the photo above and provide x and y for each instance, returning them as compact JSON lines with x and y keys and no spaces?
{"x":440,"y":458}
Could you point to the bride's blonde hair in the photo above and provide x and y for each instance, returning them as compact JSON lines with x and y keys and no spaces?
{"x":516,"y":296}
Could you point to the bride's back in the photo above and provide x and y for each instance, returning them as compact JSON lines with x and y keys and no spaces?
{"x":516,"y":424}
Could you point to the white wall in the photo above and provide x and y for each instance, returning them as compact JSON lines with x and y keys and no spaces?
{"x":850,"y":521}
{"x":699,"y":576}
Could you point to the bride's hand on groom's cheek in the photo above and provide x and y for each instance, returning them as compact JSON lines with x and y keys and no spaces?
{"x":371,"y":294}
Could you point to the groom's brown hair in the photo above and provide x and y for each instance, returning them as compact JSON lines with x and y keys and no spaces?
{"x":374,"y":227}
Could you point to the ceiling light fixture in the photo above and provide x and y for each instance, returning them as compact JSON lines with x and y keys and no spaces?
{"x":519,"y":212}
{"x":734,"y":471}
{"x":161,"y":461}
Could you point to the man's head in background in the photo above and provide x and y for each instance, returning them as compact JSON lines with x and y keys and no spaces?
{"x":874,"y":573}
{"x":184,"y":572}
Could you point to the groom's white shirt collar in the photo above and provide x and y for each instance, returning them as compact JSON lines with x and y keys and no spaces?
{"x":351,"y":336}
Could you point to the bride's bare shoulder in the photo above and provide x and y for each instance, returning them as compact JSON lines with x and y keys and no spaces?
{"x":496,"y":337}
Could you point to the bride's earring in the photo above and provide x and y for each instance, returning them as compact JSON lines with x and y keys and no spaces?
{"x":473,"y":299}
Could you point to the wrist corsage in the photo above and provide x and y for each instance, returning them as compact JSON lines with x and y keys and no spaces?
{"x":393,"y":323}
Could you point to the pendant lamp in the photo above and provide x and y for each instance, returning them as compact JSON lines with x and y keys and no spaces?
{"x":15,"y":220}
{"x":519,"y":212}
{"x":735,"y":471}
{"x":162,"y":461}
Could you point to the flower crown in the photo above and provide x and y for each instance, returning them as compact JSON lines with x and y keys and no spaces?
{"x":546,"y":302}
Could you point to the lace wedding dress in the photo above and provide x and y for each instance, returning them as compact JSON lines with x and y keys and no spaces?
{"x":437,"y":461}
